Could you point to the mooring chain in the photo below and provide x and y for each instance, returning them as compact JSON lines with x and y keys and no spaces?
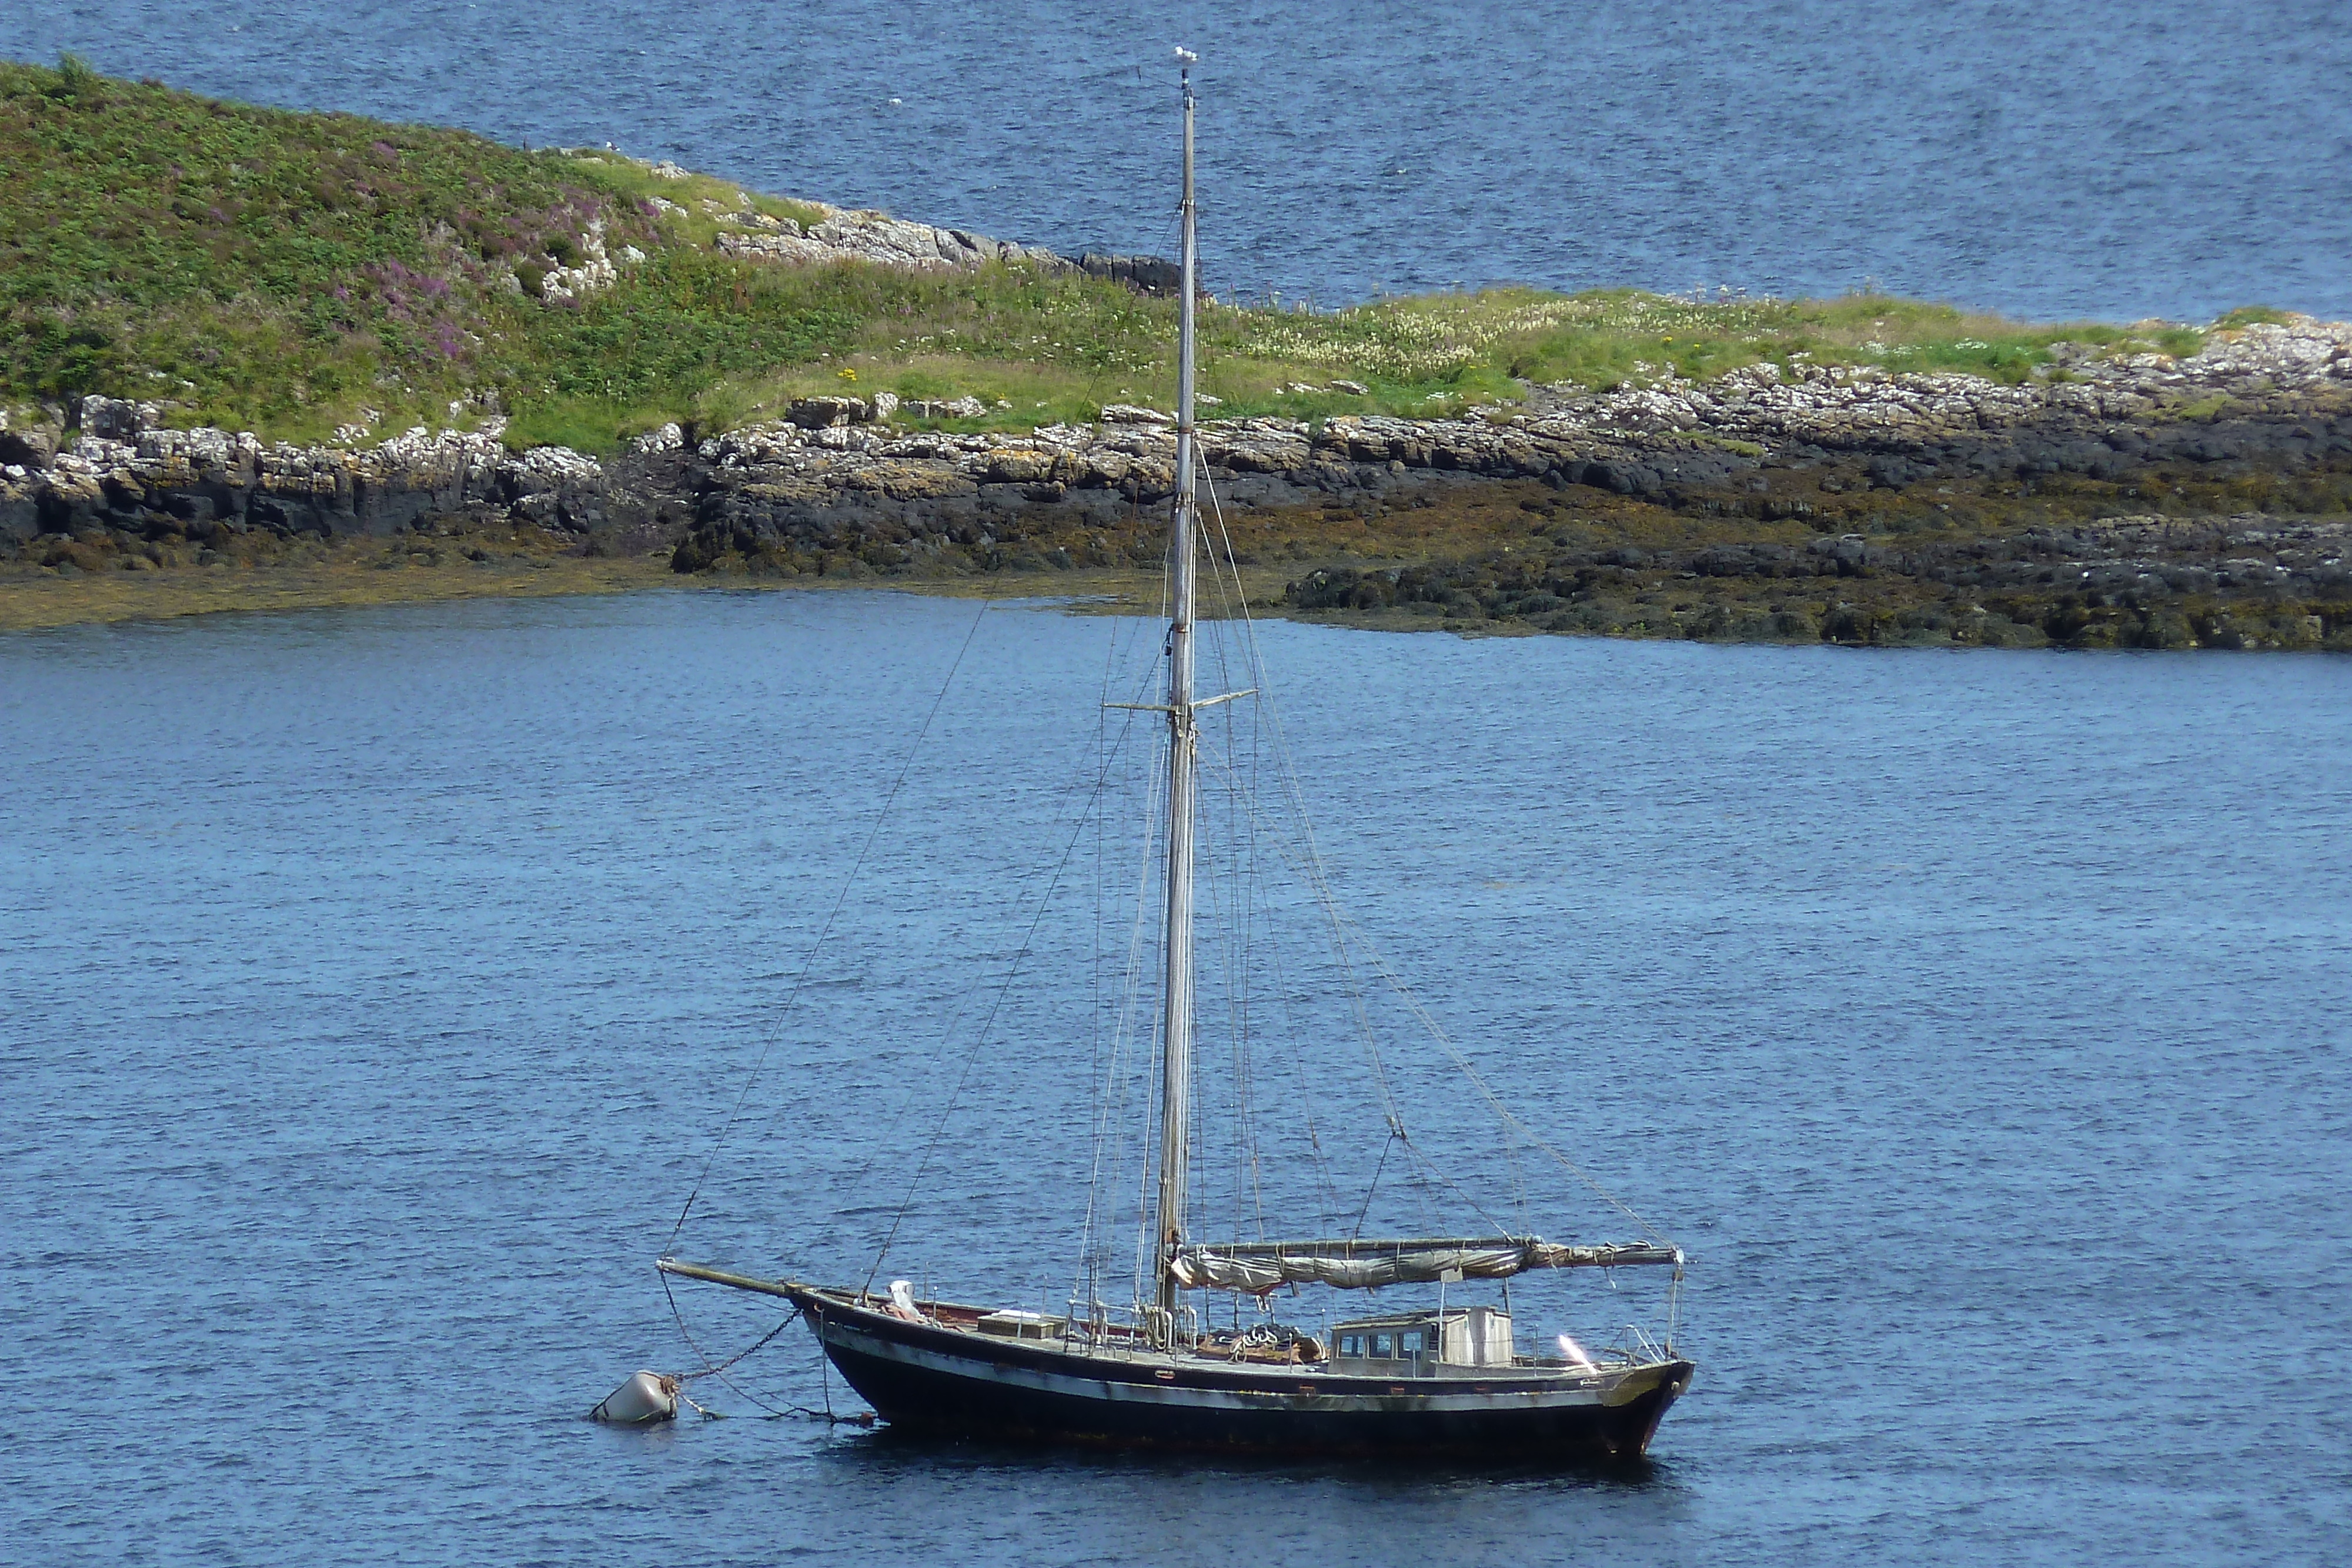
{"x":679,"y":1380}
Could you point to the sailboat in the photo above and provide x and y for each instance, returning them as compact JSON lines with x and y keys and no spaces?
{"x":1433,"y":1380}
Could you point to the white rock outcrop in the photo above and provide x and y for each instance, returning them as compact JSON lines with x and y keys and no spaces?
{"x":841,"y":235}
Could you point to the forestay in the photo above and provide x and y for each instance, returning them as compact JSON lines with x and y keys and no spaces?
{"x":1256,"y":1268}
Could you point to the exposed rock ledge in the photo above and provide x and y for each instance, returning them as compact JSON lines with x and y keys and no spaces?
{"x":842,"y":234}
{"x":840,"y":474}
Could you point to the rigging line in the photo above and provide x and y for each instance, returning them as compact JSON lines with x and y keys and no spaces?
{"x":1231,"y":898}
{"x":1261,"y":910}
{"x":1238,"y":902}
{"x":1429,"y":1166}
{"x":1215,"y":962}
{"x":1310,"y":870}
{"x":1109,"y":1127}
{"x":1317,"y":877}
{"x":1108,"y":753}
{"x":1110,"y":1087}
{"x":1137,"y":1041}
{"x":1154,"y":1023}
{"x":1235,"y":928}
{"x":1097,"y":1083}
{"x":1279,"y":980}
{"x":1145,"y":1243}
{"x":1249,"y":1187}
{"x":1246,"y":853}
{"x":683,"y":1333}
{"x":1518,"y":1176}
{"x":1238,"y":988}
{"x":1134,"y":1041}
{"x":1327,"y":1191}
{"x":1445,"y":1043}
{"x":1393,"y":1139}
{"x":1262,"y":718}
{"x":1433,"y":1172}
{"x":809,"y":963}
{"x":1011,"y":973}
{"x":1321,"y":885}
{"x":1226,"y":893}
{"x":1494,"y":1102}
{"x":879,"y":1147}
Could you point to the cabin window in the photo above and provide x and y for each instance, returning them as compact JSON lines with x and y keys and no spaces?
{"x":1351,"y":1345}
{"x":1409,"y":1344}
{"x":1383,"y":1347}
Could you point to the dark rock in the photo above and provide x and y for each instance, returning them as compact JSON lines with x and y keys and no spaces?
{"x":1144,"y":274}
{"x":820,"y":413}
{"x":34,"y":446}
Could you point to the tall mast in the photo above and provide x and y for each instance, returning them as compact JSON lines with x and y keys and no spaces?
{"x":1176,"y":1022}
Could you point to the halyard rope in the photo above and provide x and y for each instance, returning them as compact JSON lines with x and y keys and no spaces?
{"x":1340,"y":925}
{"x":809,"y":963}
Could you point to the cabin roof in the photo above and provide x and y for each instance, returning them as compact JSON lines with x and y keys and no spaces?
{"x":1412,"y":1320}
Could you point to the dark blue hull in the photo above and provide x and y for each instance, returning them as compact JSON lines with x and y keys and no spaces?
{"x":950,"y":1383}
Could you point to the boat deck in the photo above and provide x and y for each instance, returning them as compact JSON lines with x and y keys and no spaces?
{"x":1125,"y":1346}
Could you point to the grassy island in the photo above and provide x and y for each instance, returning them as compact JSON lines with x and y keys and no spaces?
{"x":327,"y":280}
{"x":290,"y":272}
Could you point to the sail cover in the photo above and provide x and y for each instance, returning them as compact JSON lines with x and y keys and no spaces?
{"x":1256,"y":1268}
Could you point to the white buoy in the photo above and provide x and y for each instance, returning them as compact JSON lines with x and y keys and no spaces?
{"x":643,"y":1400}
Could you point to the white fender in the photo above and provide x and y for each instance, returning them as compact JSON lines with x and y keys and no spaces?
{"x":643,"y":1400}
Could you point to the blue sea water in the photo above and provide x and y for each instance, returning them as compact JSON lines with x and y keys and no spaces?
{"x":2111,"y":158}
{"x":376,"y":981}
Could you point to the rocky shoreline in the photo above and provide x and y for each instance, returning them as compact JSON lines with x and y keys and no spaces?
{"x":2245,"y":582}
{"x":2274,"y":397}
{"x":844,"y":485}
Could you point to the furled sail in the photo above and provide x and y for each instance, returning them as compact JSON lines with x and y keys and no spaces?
{"x":1256,"y":1268}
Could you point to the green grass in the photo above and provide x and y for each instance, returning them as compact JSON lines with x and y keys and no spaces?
{"x":2253,"y":315}
{"x":1611,"y":338}
{"x":266,"y":269}
{"x":281,"y":272}
{"x":697,"y":194}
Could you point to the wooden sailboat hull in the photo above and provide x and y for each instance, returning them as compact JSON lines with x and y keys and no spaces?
{"x":955,"y":1383}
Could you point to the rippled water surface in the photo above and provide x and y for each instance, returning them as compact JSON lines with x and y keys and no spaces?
{"x":2114,"y":158}
{"x":375,"y":978}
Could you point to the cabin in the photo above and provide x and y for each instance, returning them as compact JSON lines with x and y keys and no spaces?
{"x":1023,"y":1325}
{"x":1411,"y":1342}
